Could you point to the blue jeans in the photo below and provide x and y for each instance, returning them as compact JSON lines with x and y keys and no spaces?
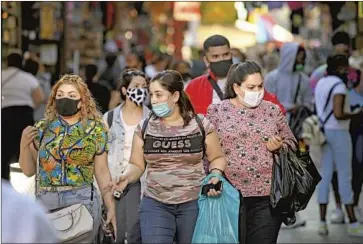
{"x":338,"y":151}
{"x":164,"y":223}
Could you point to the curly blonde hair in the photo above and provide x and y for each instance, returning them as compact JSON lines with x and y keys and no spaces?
{"x":88,"y":109}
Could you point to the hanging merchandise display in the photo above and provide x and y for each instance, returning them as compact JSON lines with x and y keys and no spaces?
{"x":84,"y":33}
{"x":42,"y":33}
{"x":47,"y":26}
{"x":49,"y":54}
{"x":187,"y":11}
{"x":161,"y":16}
{"x":10,"y":28}
{"x":296,"y":16}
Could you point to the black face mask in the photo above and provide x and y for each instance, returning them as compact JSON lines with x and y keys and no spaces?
{"x":221,"y":68}
{"x":66,"y":106}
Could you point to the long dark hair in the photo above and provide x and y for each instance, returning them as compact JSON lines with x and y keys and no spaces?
{"x":172,"y":81}
{"x":237,"y":74}
{"x":336,"y":61}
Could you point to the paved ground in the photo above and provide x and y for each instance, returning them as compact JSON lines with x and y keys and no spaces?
{"x":307,"y":234}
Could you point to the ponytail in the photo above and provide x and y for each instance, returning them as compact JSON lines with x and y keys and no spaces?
{"x":228,"y":90}
{"x":186,"y":108}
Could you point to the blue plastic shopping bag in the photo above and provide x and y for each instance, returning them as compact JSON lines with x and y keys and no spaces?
{"x":218,"y":216}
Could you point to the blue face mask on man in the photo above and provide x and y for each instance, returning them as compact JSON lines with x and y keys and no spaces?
{"x":162,"y":110}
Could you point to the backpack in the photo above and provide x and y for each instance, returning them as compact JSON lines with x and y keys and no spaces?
{"x":302,"y":113}
{"x":312,"y":132}
{"x":197,"y":119}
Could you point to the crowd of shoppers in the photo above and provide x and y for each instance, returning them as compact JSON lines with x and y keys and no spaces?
{"x":150,"y":133}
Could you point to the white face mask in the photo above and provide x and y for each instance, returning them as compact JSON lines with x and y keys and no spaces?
{"x":252,"y":99}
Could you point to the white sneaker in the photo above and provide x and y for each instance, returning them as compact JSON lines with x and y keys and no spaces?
{"x":355,"y":229}
{"x":337,"y":217}
{"x":358,"y":214}
{"x":323,"y":229}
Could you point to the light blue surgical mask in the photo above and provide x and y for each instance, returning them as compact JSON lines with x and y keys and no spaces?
{"x":162,"y":110}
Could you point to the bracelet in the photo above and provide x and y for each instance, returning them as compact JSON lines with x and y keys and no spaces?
{"x":218,"y":170}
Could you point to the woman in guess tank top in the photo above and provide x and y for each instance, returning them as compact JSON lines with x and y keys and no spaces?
{"x":170,"y":145}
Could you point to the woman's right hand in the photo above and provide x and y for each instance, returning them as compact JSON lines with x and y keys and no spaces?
{"x":28,"y":135}
{"x":122,"y":183}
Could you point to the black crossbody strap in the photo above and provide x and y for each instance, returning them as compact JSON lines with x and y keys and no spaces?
{"x":216,"y":87}
{"x":9,"y":78}
{"x":144,"y":125}
{"x":202,"y":131}
{"x":329,"y":95}
{"x":297,"y":89}
{"x":323,"y":122}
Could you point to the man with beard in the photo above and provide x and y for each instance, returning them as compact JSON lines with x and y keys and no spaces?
{"x":208,"y":89}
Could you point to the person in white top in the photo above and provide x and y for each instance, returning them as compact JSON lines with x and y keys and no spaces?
{"x":21,"y":93}
{"x":123,"y":121}
{"x":23,"y":221}
{"x":333,"y":109}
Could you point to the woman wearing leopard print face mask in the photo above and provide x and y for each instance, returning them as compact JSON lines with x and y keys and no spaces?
{"x":122,"y":121}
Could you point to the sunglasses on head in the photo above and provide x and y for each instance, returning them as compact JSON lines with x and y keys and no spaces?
{"x":173,"y":72}
{"x":134,"y":73}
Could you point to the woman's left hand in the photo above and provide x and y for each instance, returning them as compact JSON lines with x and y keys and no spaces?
{"x":212,"y":192}
{"x":111,"y":218}
{"x":274,"y":143}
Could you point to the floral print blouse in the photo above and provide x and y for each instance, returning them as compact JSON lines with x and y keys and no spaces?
{"x":243,"y":134}
{"x":67,"y":152}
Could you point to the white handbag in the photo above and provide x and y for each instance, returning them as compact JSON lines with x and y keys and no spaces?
{"x":70,"y":222}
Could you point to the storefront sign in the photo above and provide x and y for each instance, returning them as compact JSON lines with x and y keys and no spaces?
{"x":187,"y":11}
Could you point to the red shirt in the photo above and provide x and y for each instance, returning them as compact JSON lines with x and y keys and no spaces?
{"x":200,"y":92}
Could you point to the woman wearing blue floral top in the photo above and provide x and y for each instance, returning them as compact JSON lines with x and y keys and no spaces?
{"x":71,"y":145}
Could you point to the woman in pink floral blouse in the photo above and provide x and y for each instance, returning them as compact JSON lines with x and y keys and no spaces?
{"x":250,"y":131}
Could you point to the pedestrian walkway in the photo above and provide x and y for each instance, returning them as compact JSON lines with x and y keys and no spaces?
{"x":309,"y":234}
{"x":306,"y":234}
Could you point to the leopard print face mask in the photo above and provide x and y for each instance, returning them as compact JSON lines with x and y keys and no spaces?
{"x":137,"y":95}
